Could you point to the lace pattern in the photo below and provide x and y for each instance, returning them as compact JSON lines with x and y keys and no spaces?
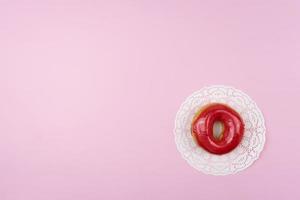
{"x":244,"y":154}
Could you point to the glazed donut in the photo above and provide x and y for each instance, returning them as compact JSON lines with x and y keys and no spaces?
{"x":232,"y":128}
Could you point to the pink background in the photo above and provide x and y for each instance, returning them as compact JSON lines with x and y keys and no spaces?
{"x":89,"y":92}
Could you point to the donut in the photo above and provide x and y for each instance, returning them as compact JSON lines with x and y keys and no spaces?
{"x":222,"y":117}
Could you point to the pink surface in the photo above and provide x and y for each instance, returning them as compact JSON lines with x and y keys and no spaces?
{"x":89,"y":92}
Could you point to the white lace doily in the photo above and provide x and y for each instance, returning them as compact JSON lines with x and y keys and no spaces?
{"x":244,"y":154}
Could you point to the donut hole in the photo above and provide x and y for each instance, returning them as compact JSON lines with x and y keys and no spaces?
{"x":218,"y":130}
